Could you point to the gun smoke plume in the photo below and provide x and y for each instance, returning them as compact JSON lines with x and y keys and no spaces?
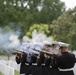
{"x":10,"y":41}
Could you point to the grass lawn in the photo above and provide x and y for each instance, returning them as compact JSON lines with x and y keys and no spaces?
{"x":1,"y":73}
{"x":16,"y":73}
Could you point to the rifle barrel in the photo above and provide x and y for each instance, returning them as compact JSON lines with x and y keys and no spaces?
{"x":48,"y":53}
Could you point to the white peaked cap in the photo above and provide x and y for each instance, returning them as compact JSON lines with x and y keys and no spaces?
{"x":55,"y":42}
{"x":47,"y":43}
{"x":63,"y":44}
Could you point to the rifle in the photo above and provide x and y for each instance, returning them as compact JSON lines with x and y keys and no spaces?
{"x":14,"y":52}
{"x":44,"y":52}
{"x":48,"y":53}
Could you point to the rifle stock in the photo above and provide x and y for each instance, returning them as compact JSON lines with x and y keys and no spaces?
{"x":42,"y":51}
{"x":48,"y":53}
{"x":16,"y":52}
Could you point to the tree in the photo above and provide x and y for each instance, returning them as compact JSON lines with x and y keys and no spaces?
{"x":64,"y":28}
{"x":51,"y":9}
{"x":28,"y":12}
{"x":38,"y":28}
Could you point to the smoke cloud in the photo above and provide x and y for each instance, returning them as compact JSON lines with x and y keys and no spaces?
{"x":8,"y":40}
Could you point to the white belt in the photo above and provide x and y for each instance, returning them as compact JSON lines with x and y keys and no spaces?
{"x":36,"y":64}
{"x":32,"y":63}
{"x":66,"y":69}
{"x":22,"y":74}
{"x":43,"y":64}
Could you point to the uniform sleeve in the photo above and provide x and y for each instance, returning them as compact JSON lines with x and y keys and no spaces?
{"x":40,"y":60}
{"x":57,"y":61}
{"x":47,"y":61}
{"x":34,"y":59}
{"x":17,"y":58}
{"x":23,"y":59}
{"x":75,"y":58}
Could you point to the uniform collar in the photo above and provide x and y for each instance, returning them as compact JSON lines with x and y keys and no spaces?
{"x":64,"y":52}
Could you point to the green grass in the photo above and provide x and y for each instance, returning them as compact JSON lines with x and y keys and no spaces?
{"x":1,"y":73}
{"x":16,"y":73}
{"x":2,"y":53}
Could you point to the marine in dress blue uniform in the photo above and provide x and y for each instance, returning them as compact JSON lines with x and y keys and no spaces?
{"x":66,"y":61}
{"x":44,"y":60}
{"x":21,"y":59}
{"x":55,"y":50}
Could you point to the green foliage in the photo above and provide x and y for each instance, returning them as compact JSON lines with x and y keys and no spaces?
{"x":2,"y":53}
{"x":7,"y":29}
{"x":51,"y":10}
{"x":64,"y":28}
{"x":38,"y":28}
{"x":29,"y":12}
